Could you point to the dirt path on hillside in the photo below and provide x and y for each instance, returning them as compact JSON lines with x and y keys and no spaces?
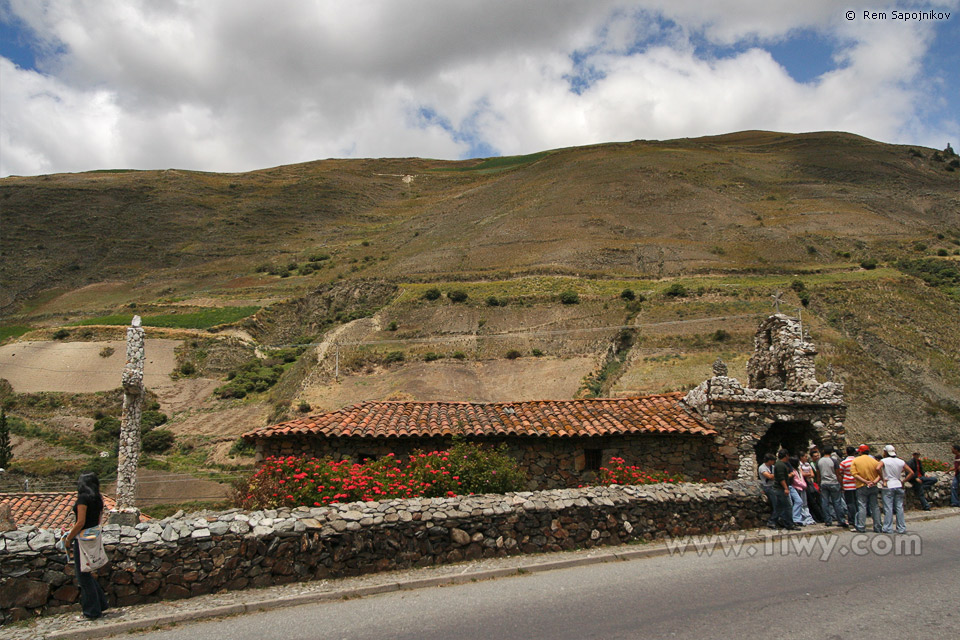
{"x":164,"y":487}
{"x":78,"y":367}
{"x":176,"y":396}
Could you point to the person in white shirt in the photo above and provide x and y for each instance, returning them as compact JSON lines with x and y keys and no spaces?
{"x":891,"y":470}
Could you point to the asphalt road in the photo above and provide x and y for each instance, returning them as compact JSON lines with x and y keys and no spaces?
{"x":770,"y":592}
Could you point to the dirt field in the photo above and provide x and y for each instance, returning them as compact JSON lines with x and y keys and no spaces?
{"x":161,"y":487}
{"x":487,"y":381}
{"x":78,"y":367}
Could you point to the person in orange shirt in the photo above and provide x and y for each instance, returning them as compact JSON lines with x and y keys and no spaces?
{"x":864,"y":472}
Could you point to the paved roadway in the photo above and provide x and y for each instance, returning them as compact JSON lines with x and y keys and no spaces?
{"x":767,"y":593}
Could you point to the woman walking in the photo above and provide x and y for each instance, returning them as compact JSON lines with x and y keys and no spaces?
{"x":88,"y":508}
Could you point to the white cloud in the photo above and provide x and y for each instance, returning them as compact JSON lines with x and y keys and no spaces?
{"x":230,"y":86}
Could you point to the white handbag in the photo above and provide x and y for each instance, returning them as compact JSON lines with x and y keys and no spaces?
{"x":92,"y":554}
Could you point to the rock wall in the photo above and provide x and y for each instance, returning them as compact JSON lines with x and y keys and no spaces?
{"x":184,"y":556}
{"x":550,"y":463}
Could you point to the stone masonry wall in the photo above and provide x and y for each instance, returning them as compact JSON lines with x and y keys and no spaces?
{"x":184,"y":556}
{"x":550,"y":463}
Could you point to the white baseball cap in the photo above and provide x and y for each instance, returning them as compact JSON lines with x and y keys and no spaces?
{"x":890,"y":451}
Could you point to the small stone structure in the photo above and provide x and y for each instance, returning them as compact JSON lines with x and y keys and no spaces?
{"x":783,"y":405}
{"x":129,"y":453}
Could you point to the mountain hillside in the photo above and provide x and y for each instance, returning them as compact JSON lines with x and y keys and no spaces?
{"x":613,"y":269}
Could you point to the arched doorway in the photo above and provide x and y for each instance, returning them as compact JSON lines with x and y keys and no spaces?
{"x":794,"y":436}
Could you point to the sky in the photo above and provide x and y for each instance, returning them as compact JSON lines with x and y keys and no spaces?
{"x":237,"y":85}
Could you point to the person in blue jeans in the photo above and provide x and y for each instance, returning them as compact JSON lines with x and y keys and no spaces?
{"x":88,"y":509}
{"x":891,"y":469}
{"x":955,"y":487}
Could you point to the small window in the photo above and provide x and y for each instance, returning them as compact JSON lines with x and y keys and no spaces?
{"x":592,"y":458}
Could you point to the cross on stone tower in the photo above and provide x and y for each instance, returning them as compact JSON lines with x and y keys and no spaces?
{"x":129,"y":454}
{"x":777,"y":299}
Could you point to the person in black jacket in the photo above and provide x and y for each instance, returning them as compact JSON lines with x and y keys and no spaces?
{"x":920,"y":482}
{"x":88,"y":509}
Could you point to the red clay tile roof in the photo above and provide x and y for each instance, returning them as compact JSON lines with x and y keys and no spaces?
{"x":542,"y":418}
{"x":48,"y":510}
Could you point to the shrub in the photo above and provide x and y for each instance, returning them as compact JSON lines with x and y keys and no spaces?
{"x":493,"y":301}
{"x":241,"y":447}
{"x":463,"y":468}
{"x":61,"y":334}
{"x":919,"y":246}
{"x":941,"y":252}
{"x":392,"y":326}
{"x":394,"y":356}
{"x":319,"y":257}
{"x":187,"y":368}
{"x":106,"y":430}
{"x":569,"y":297}
{"x":798,"y":286}
{"x":252,"y":377}
{"x":812,"y":250}
{"x":430,"y":356}
{"x":431,"y":294}
{"x":513,"y":354}
{"x":804,"y":298}
{"x":676,"y":290}
{"x":536,"y":353}
{"x":304,"y":406}
{"x":618,"y":472}
{"x":868,"y":263}
{"x":628,"y":294}
{"x":457,"y":295}
{"x":930,"y":464}
{"x":151,"y":419}
{"x":720,"y":335}
{"x":158,"y":440}
{"x":459,"y":355}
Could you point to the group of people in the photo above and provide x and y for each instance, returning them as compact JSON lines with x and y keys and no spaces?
{"x":820,"y":487}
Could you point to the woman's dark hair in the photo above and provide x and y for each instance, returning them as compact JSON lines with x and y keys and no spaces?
{"x":88,"y":485}
{"x":794,"y":462}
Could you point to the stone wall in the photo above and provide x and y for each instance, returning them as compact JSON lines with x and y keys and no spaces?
{"x":550,"y":463}
{"x":184,"y":556}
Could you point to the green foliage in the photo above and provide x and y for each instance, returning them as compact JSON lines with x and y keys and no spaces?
{"x":252,"y":377}
{"x":676,"y":290}
{"x":430,"y":356}
{"x":513,"y":354}
{"x":494,"y":301}
{"x":628,"y":294}
{"x":457,"y":295}
{"x":459,"y":355}
{"x":242,"y":447}
{"x":812,"y":250}
{"x":493,"y":165}
{"x":61,"y":334}
{"x":720,"y":335}
{"x":868,"y":263}
{"x":196,"y":320}
{"x":798,"y":285}
{"x":919,"y":246}
{"x":392,"y":326}
{"x":6,"y":450}
{"x":804,"y":298}
{"x":151,"y":418}
{"x":942,"y":252}
{"x":431,"y":294}
{"x":157,"y":441}
{"x":304,"y":407}
{"x":319,"y":257}
{"x":13,"y":331}
{"x":536,"y":353}
{"x":187,"y":368}
{"x":944,"y":274}
{"x":106,"y":430}
{"x":569,"y":297}
{"x":394,"y":356}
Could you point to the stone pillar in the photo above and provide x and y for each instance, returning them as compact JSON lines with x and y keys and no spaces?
{"x":129,"y":454}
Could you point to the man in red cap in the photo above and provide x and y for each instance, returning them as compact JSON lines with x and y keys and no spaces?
{"x":864,"y":472}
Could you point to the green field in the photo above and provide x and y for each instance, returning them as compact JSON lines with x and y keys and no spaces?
{"x":196,"y":320}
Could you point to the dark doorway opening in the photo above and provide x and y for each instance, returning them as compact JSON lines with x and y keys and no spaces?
{"x":793,"y":436}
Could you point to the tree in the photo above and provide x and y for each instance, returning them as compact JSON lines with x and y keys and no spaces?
{"x":6,"y":451}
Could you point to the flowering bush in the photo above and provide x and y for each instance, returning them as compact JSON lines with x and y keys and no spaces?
{"x":301,"y":481}
{"x":620,"y":473}
{"x":929,"y":464}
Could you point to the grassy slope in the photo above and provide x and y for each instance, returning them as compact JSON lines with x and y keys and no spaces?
{"x":730,"y":217}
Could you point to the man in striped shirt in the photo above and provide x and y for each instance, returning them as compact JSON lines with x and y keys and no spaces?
{"x":849,"y":486}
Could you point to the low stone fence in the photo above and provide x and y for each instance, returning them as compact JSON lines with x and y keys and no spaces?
{"x":184,"y":556}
